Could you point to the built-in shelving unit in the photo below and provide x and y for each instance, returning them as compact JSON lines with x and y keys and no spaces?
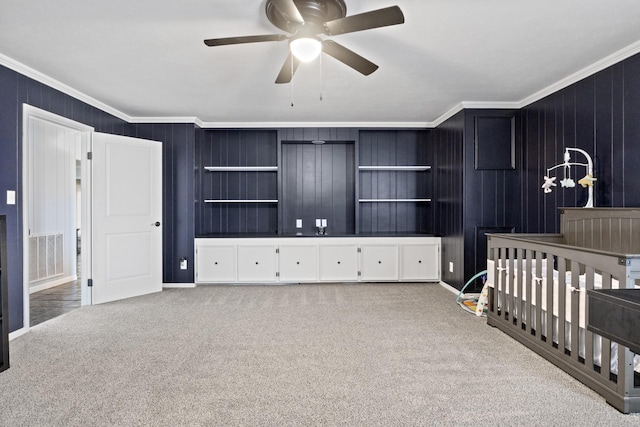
{"x":237,"y":174}
{"x":392,"y":168}
{"x":395,"y":184}
{"x":241,"y":201}
{"x":392,"y":200}
{"x":241,"y":168}
{"x":249,"y":182}
{"x":395,"y":168}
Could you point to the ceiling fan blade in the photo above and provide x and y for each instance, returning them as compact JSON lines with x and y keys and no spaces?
{"x":288,"y":69}
{"x":245,"y":39}
{"x":365,"y":21}
{"x":288,"y":10}
{"x":348,"y":57}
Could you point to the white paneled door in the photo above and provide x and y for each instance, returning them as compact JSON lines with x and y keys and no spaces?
{"x":126,"y":217}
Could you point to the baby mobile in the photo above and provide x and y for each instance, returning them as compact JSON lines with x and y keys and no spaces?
{"x":567,"y":182}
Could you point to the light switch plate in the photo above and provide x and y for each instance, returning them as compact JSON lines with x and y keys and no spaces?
{"x":11,"y":197}
{"x":299,"y":223}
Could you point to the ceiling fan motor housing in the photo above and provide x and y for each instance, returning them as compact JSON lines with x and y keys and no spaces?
{"x":314,"y":12}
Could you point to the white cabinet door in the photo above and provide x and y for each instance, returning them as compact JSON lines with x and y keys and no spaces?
{"x":379,"y":262}
{"x":257,"y":263}
{"x":339,"y":262}
{"x":419,"y":262}
{"x":298,"y":263}
{"x":215,"y":263}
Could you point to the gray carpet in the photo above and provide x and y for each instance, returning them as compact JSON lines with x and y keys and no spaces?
{"x":356,"y":355}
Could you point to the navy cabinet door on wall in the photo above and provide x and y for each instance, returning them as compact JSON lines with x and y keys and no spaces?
{"x":495,"y":142}
{"x":318,"y":182}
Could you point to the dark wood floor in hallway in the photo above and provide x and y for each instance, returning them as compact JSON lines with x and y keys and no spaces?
{"x":53,"y":302}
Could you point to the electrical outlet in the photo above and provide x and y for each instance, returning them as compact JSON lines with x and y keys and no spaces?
{"x":450,"y":267}
{"x":183,"y":264}
{"x":299,"y":223}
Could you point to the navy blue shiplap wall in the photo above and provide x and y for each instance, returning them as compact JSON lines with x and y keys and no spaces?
{"x":492,"y":195}
{"x":472,"y":201}
{"x":16,"y":89}
{"x":600,"y":114}
{"x":178,"y":147}
{"x":448,"y":175}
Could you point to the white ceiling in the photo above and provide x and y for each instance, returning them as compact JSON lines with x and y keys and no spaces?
{"x":145,"y":60}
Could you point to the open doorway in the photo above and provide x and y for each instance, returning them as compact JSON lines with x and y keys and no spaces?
{"x":55,"y":297}
{"x":54,"y":166}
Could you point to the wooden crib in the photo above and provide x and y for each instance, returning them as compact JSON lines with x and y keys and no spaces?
{"x":538,"y":286}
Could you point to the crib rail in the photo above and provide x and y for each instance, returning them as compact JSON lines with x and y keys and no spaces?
{"x":539,"y":298}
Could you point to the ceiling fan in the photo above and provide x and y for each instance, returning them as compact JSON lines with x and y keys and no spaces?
{"x":306,"y":20}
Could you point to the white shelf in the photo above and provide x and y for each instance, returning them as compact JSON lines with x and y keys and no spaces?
{"x":241,"y":168}
{"x":395,"y":168}
{"x":392,"y":200}
{"x":241,"y":201}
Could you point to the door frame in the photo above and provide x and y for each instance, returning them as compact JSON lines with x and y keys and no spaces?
{"x":29,"y":112}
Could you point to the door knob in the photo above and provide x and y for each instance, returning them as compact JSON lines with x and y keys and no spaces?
{"x":157,"y":223}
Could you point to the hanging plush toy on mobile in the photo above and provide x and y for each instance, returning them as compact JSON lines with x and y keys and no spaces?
{"x":568,"y":182}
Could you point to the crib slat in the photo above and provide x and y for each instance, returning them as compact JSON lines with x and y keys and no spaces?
{"x":509,"y":309}
{"x":575,"y":310}
{"x":538,"y":291}
{"x":528,"y":317}
{"x":504,"y":279}
{"x":549,"y":306}
{"x":605,"y":359}
{"x":588,"y":335}
{"x":561,"y":287}
{"x":519,"y":290}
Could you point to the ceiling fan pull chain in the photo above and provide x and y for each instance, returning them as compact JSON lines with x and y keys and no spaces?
{"x":321,"y":82}
{"x":291,"y":80}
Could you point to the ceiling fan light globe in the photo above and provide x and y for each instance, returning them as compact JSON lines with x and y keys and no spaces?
{"x":306,"y":49}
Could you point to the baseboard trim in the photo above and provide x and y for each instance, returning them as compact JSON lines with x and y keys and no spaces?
{"x":15,"y":334}
{"x":178,"y":285}
{"x":449,"y":287}
{"x":52,"y":284}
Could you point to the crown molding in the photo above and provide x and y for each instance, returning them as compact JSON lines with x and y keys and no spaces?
{"x":55,"y":84}
{"x":177,"y":119}
{"x":240,"y":125}
{"x":590,"y":70}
